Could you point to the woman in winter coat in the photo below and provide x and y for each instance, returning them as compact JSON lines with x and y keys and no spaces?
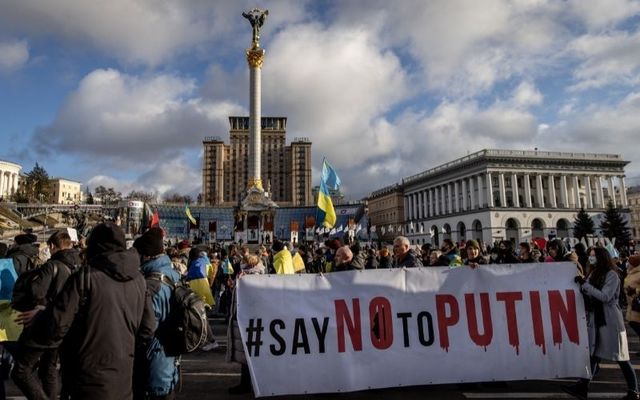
{"x":607,"y":335}
{"x":632,"y":289}
{"x":235,"y":351}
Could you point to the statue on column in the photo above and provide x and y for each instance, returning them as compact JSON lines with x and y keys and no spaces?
{"x":256,"y":17}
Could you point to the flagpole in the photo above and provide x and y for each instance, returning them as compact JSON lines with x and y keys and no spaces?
{"x":319,"y":188}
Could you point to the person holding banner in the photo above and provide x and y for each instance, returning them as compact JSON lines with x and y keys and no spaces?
{"x":405,"y":256}
{"x":607,"y":334}
{"x":251,"y":265}
{"x":474,"y":256}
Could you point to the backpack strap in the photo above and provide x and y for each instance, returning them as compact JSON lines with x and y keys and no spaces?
{"x":159,"y":276}
{"x":85,"y":285}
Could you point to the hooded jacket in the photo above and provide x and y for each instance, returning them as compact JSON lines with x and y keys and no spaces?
{"x":97,"y":325}
{"x":23,"y":256}
{"x":283,"y":262}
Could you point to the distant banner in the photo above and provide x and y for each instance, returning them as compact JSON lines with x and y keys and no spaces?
{"x":358,"y":330}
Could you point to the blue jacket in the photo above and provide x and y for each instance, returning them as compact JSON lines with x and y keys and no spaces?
{"x":162,"y":375}
{"x":197,"y":269}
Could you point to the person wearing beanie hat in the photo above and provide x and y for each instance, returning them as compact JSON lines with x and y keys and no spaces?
{"x":25,"y":238}
{"x":98,"y":318}
{"x":150,"y":243}
{"x":152,"y":362}
{"x":25,"y":253}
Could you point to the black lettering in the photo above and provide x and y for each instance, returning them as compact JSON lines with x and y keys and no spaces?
{"x":421,"y":316}
{"x":320,"y":333}
{"x":300,"y":332}
{"x":405,"y":326}
{"x":277,"y":351}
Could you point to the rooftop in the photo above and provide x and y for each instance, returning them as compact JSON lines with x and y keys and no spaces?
{"x":518,"y":154}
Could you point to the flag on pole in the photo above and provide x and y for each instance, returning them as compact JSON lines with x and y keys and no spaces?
{"x":328,"y":181}
{"x":187,"y":211}
{"x":155,"y":219}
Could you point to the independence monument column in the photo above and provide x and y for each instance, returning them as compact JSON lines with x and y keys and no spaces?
{"x":255,"y":58}
{"x":255,"y":215}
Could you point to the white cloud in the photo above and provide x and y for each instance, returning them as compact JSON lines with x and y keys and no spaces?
{"x":526,"y":94}
{"x":465,"y":47}
{"x":133,"y":119}
{"x":599,"y":14}
{"x":146,"y":31}
{"x":602,"y":129}
{"x":607,"y":58}
{"x":171,"y":176}
{"x":14,"y":54}
{"x":335,"y":86}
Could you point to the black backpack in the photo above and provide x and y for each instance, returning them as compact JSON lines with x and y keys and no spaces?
{"x":186,"y":326}
{"x":23,"y":298}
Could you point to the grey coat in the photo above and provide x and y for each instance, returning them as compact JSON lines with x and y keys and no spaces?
{"x":608,"y":342}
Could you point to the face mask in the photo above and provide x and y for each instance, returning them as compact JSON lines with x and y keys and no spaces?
{"x":593,"y":260}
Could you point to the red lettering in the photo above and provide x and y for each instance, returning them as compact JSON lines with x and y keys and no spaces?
{"x":510,"y":299}
{"x":536,"y":319}
{"x":353,"y":325}
{"x":565,"y":311}
{"x":472,"y":322}
{"x":445,"y":321}
{"x":381,"y":323}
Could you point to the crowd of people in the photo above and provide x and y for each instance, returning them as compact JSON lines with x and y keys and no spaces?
{"x":93,"y":308}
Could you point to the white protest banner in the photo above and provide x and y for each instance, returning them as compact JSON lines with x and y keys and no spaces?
{"x":356,"y":330}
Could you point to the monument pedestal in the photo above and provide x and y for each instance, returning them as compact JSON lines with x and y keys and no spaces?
{"x":256,"y":214}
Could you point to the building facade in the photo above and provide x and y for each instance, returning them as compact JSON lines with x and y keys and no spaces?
{"x":386,"y":208}
{"x":285,"y":170}
{"x":64,"y":191}
{"x":9,"y":178}
{"x":510,"y":194}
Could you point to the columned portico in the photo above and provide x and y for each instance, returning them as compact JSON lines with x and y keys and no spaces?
{"x":514,"y":190}
{"x":612,"y":191}
{"x":587,"y":181}
{"x":552,"y":191}
{"x":539,"y":192}
{"x":472,"y":203}
{"x":527,"y":191}
{"x":503,"y":193}
{"x":481,"y":201}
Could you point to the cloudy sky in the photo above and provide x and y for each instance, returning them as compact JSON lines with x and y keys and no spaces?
{"x":121,"y":93}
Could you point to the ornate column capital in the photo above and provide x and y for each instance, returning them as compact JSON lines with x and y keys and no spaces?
{"x":255,"y":56}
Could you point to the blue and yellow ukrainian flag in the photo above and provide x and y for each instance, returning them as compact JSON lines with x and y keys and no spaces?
{"x":329,"y":180}
{"x":188,"y":212}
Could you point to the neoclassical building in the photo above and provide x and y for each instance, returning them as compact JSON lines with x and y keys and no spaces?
{"x":9,"y":178}
{"x":386,"y":208}
{"x":510,"y":194}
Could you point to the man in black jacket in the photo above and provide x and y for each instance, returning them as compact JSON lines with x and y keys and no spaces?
{"x":98,"y":316}
{"x":24,"y":252}
{"x":44,"y":287}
